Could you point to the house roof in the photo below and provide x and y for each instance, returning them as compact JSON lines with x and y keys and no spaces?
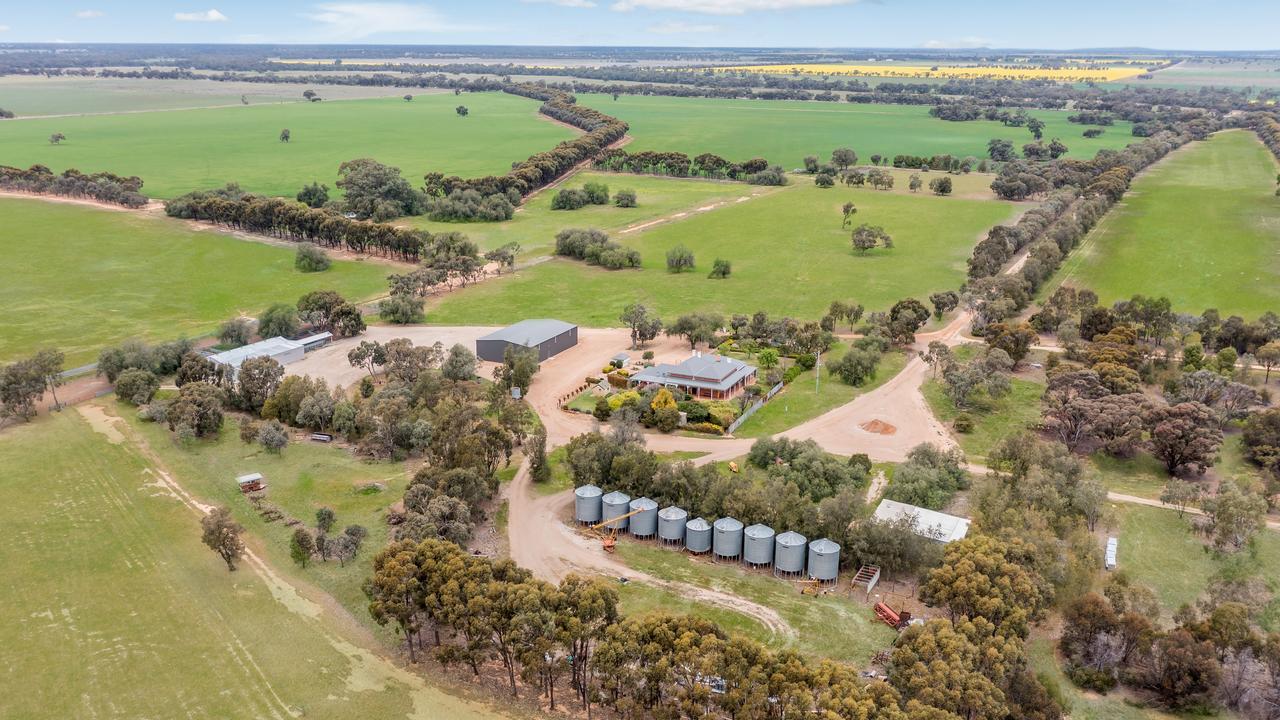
{"x":928,"y":523}
{"x":263,"y":348}
{"x":530,"y":333}
{"x":709,"y":372}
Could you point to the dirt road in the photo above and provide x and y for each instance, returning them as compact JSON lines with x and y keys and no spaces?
{"x":543,"y":543}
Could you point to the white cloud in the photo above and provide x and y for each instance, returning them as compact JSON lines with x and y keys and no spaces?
{"x":565,"y":3}
{"x":961,"y":43}
{"x":355,"y":21}
{"x":89,"y":14}
{"x":724,"y":7}
{"x":4,"y":28}
{"x":210,"y":15}
{"x":676,"y":27}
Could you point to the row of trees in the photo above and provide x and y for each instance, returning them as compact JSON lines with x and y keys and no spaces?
{"x":756,"y":171}
{"x":103,"y":186}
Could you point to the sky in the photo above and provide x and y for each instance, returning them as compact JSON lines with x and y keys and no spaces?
{"x":1168,"y":24}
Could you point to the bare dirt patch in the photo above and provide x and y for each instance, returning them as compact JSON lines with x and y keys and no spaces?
{"x":879,"y":427}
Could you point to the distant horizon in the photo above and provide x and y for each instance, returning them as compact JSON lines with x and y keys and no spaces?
{"x":1185,"y":26}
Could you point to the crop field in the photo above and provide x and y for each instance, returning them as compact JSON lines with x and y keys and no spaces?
{"x":29,"y":96}
{"x":1076,"y":73}
{"x":535,"y":224}
{"x":78,"y":278}
{"x":121,"y":612}
{"x":1255,"y":73}
{"x":784,"y":132}
{"x":179,"y":151}
{"x":789,"y":256}
{"x":1202,"y":228}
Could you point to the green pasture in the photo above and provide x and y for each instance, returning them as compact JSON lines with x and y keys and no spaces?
{"x":79,"y":278}
{"x":30,"y":96}
{"x":176,"y":152}
{"x":1202,"y":228}
{"x":535,"y":224}
{"x":784,"y":132}
{"x":993,"y":420}
{"x":114,"y":608}
{"x":789,"y":256}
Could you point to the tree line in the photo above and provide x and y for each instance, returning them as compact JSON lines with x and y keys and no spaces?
{"x":104,"y":186}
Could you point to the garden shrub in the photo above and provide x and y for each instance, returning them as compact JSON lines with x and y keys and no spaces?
{"x":694,"y":411}
{"x":806,"y":361}
{"x":963,"y":423}
{"x":705,"y":427}
{"x":790,"y":374}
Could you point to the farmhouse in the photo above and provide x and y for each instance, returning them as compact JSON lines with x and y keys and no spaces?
{"x":706,"y":376}
{"x":282,"y":350}
{"x":931,"y":524}
{"x":548,"y":337}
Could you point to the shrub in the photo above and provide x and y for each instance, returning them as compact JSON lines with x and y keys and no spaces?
{"x":137,"y":386}
{"x":940,"y":185}
{"x":236,"y":331}
{"x":623,"y":398}
{"x":1090,"y":679}
{"x":470,"y":206}
{"x":720,"y":269}
{"x":314,"y":195}
{"x":311,"y":259}
{"x":806,"y":361}
{"x":595,"y":248}
{"x":857,"y":366}
{"x":790,"y":374}
{"x":824,"y":181}
{"x":694,"y":411}
{"x":666,"y":419}
{"x":401,"y":309}
{"x":705,"y":427}
{"x":963,"y":423}
{"x":602,"y":410}
{"x":597,"y":193}
{"x":273,"y":436}
{"x":722,"y":413}
{"x":679,"y":259}
{"x":647,"y":355}
{"x":569,"y":199}
{"x":625,"y":198}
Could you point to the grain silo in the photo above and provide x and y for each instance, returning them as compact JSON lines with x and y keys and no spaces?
{"x":788,"y":553}
{"x":757,"y":546}
{"x":645,"y":521}
{"x":671,"y":522}
{"x":613,"y":505}
{"x":586,"y":504}
{"x":824,"y":560}
{"x":727,"y":538}
{"x":697,"y":536}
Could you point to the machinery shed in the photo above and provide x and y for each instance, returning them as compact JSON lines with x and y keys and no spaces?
{"x":548,"y":337}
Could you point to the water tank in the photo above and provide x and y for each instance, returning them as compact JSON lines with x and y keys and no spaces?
{"x":671,"y":522}
{"x":613,"y":505}
{"x":824,"y":560}
{"x":697,"y":535}
{"x":645,"y":522}
{"x":757,"y":547}
{"x":586,"y":504}
{"x":788,"y":552}
{"x":727,"y":539}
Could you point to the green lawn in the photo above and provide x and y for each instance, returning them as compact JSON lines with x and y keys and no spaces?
{"x":830,"y":626}
{"x":784,"y":132}
{"x":789,"y":256}
{"x":114,"y":608}
{"x":535,"y":224}
{"x":79,"y":278}
{"x":993,"y":420}
{"x":638,"y":598}
{"x":1160,"y":550}
{"x":1202,"y":227}
{"x":1145,"y":476}
{"x":801,"y":401}
{"x":176,"y":152}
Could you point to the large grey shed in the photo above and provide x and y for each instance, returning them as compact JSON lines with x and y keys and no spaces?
{"x":671,"y":522}
{"x":788,"y":553}
{"x":613,"y":505}
{"x":548,"y":337}
{"x":645,"y":521}
{"x":757,"y":547}
{"x":586,"y":504}
{"x":727,"y":538}
{"x":824,"y":560}
{"x":697,"y":536}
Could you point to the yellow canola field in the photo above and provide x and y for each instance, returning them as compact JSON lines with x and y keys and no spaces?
{"x":1009,"y":72}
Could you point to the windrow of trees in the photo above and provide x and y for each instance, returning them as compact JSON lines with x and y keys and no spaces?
{"x":678,"y":164}
{"x":296,"y":222}
{"x":104,"y":186}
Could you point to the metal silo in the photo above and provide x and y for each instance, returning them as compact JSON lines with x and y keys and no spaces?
{"x":586,"y":504}
{"x":697,"y":536}
{"x":824,"y":560}
{"x":727,"y":539}
{"x":613,"y":505}
{"x":671,"y":522}
{"x":757,"y":547}
{"x":645,"y":522}
{"x":788,"y":553}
